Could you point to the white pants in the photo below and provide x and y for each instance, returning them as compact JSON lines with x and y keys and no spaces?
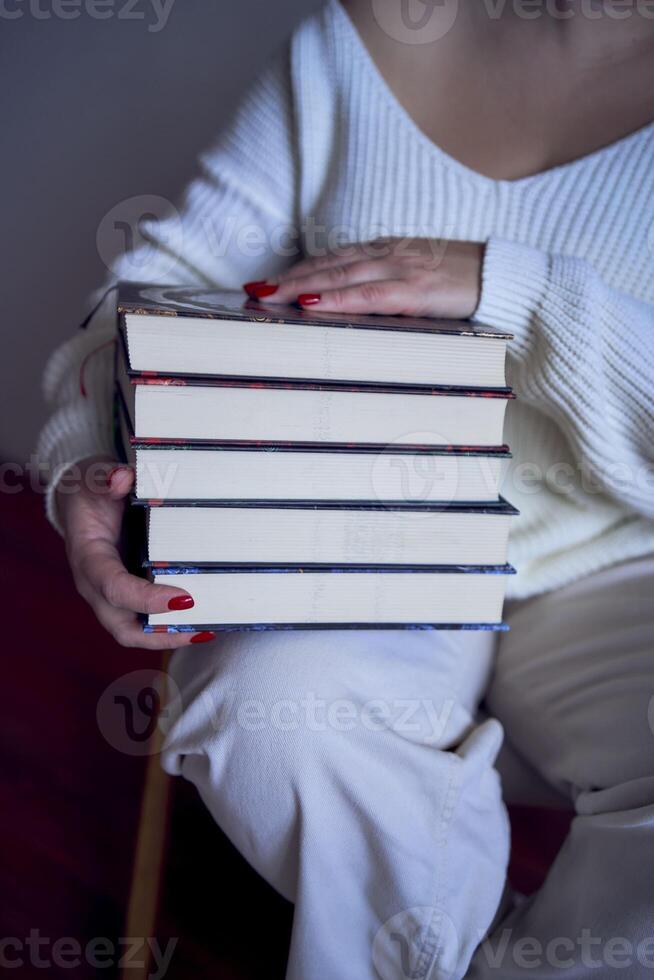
{"x":350,"y":769}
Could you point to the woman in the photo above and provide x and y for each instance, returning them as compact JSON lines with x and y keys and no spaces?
{"x":508,"y":161}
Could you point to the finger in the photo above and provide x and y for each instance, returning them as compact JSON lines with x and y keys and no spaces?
{"x":340,"y":256}
{"x":120,"y":482}
{"x":110,"y":579}
{"x":395,"y":297}
{"x":127,"y":630}
{"x":333,"y":277}
{"x":375,"y":249}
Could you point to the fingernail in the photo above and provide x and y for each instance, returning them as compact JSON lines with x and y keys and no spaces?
{"x":203,"y":637}
{"x":181,"y":602}
{"x":266,"y":289}
{"x":249,"y":287}
{"x":308,"y":299}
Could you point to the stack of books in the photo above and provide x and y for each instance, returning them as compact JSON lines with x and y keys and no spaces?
{"x":307,"y":470}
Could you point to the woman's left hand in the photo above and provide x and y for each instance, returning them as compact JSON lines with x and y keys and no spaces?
{"x":413,"y":277}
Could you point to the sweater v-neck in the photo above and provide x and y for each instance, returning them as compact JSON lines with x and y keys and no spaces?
{"x":414,"y":132}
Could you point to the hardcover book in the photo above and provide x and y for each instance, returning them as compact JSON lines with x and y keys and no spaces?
{"x":236,"y":533}
{"x":189,"y":330}
{"x":218,"y":411}
{"x":347,"y":597}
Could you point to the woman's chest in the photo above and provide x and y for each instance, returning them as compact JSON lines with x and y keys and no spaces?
{"x":511,"y":96}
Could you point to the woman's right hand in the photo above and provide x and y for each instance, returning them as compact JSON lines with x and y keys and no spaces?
{"x":91,"y":508}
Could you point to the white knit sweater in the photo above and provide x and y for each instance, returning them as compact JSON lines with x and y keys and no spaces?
{"x":322,"y":145}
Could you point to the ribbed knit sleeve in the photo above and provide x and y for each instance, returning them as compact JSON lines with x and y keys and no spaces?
{"x":236,"y":223}
{"x":583,"y":354}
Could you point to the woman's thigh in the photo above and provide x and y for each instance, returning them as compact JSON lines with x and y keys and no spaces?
{"x":425,"y":685}
{"x":573,"y":682}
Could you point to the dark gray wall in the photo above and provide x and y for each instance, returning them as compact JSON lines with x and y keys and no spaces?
{"x":94,"y":112}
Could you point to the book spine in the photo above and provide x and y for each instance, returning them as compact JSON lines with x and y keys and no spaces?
{"x":204,"y":569}
{"x":265,"y":627}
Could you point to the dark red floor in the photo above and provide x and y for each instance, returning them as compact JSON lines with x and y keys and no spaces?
{"x":69,"y":798}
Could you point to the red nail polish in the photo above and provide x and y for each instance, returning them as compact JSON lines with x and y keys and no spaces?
{"x":181,"y":602}
{"x":249,"y":287}
{"x":264,"y":290}
{"x":204,"y":637}
{"x":308,"y":299}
